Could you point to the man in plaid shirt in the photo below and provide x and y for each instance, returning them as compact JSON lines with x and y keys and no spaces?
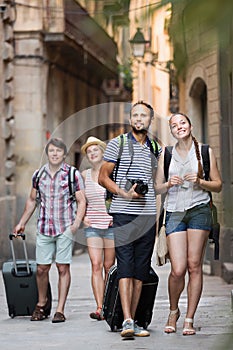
{"x":59,"y":218}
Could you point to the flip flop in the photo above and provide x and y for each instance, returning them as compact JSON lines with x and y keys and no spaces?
{"x":97,"y":315}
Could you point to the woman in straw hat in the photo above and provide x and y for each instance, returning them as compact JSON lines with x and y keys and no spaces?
{"x":98,"y":222}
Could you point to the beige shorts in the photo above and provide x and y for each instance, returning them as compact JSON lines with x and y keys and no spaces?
{"x":58,"y":249}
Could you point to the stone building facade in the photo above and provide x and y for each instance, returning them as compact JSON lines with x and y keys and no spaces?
{"x":202,"y":39}
{"x":7,"y":128}
{"x":226,"y":104}
{"x":59,"y":64}
{"x":152,"y":73}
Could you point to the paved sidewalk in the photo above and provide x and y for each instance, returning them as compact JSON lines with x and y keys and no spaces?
{"x":213,"y":320}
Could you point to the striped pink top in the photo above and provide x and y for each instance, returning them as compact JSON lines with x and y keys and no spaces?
{"x":96,"y":210}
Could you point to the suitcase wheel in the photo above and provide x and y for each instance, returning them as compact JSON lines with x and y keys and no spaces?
{"x":11,"y":311}
{"x":114,"y":328}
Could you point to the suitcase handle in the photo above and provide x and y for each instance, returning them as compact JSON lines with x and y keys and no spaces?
{"x":11,"y":235}
{"x":23,"y":236}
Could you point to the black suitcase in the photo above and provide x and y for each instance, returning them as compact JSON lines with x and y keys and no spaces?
{"x":112,"y":310}
{"x":20,"y":283}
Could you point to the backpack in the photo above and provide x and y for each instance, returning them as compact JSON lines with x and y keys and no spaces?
{"x":71,"y":182}
{"x":154,"y":148}
{"x":215,"y":230}
{"x":205,"y":159}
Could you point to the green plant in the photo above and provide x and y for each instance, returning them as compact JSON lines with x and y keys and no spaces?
{"x":125,"y":72}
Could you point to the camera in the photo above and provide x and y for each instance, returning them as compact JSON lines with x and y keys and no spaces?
{"x":141,"y":188}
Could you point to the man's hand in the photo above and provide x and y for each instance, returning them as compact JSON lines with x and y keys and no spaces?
{"x":131,"y":194}
{"x":18,"y":229}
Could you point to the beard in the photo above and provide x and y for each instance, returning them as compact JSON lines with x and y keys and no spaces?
{"x":138,"y":132}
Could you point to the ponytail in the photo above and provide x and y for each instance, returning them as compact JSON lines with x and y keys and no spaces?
{"x":198,"y":155}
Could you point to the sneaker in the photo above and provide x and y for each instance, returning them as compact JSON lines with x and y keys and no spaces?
{"x":127,"y":328}
{"x":140,"y":331}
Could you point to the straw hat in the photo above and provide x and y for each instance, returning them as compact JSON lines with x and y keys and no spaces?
{"x":92,"y":141}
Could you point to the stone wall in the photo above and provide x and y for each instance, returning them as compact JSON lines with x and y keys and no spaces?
{"x":197,"y":50}
{"x":7,"y":130}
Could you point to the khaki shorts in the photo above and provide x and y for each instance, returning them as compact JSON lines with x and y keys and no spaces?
{"x":58,"y":249}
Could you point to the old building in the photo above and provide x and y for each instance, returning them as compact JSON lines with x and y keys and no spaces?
{"x":152,"y":70}
{"x":70,"y":73}
{"x":226,"y":129}
{"x":201,"y":33}
{"x":59,"y":76}
{"x":7,"y":130}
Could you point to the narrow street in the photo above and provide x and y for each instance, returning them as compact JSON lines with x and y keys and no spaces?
{"x":213,"y":319}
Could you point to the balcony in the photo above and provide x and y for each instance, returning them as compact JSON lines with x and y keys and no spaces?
{"x":81,"y":38}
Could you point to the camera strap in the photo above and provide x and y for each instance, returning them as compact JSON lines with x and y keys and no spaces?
{"x":131,"y":152}
{"x":153,"y":153}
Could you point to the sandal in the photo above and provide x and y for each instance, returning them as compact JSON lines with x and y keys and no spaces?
{"x":172,"y":318}
{"x":41,"y":312}
{"x":189,"y":330}
{"x":97,"y":315}
{"x":58,"y":317}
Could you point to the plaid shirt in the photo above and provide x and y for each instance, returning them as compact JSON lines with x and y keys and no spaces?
{"x":57,"y":210}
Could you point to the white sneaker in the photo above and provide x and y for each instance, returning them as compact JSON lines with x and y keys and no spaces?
{"x":140,"y":331}
{"x":127,"y":328}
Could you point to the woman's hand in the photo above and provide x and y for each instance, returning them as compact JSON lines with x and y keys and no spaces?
{"x":192,"y":178}
{"x":86,"y":221}
{"x":174,"y":180}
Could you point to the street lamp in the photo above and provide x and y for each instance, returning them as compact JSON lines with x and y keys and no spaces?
{"x":138,"y":44}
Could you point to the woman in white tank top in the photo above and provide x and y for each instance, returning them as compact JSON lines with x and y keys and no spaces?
{"x":188,"y":218}
{"x":98,"y":231}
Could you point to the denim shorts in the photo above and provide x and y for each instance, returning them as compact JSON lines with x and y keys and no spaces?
{"x":197,"y":218}
{"x":57,"y":248}
{"x":97,"y":232}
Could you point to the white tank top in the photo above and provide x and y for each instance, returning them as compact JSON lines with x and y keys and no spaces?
{"x":189,"y":195}
{"x":96,"y":209}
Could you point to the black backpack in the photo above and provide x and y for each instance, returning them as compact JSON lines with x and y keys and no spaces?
{"x":205,"y":159}
{"x":71,"y":182}
{"x":154,"y":148}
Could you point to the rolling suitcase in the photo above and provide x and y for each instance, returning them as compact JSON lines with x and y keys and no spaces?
{"x":112,"y":310}
{"x":20,"y":283}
